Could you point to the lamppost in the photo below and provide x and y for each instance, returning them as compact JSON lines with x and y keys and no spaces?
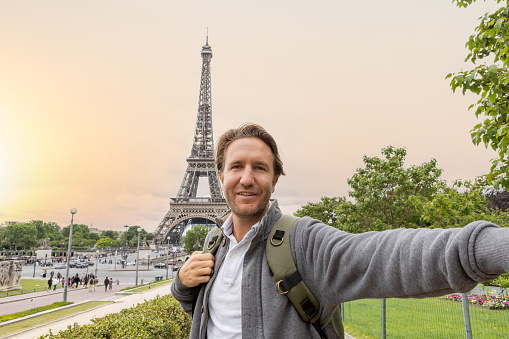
{"x":96,"y":262}
{"x":138,"y":254}
{"x":73,"y":212}
{"x":174,"y":264}
{"x":167,"y":251}
{"x":124,"y":256}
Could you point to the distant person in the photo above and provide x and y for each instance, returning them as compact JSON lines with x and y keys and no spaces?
{"x":91,"y":285}
{"x":106,"y":284}
{"x":63,"y":282}
{"x":50,"y":282}
{"x":55,"y":283}
{"x":111,"y":283}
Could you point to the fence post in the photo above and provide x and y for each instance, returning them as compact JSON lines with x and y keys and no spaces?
{"x":384,"y":322}
{"x":466,"y":316}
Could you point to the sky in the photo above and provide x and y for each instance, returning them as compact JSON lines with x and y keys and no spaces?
{"x":98,"y":99}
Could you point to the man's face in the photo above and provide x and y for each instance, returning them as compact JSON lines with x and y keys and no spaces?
{"x":248,"y":178}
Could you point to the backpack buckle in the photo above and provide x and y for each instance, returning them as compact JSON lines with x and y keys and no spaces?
{"x":278,"y":288}
{"x":212,"y":243}
{"x":278,"y":235}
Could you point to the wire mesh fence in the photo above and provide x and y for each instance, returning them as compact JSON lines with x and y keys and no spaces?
{"x":442,"y":317}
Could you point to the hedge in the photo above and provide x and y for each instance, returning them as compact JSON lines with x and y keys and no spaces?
{"x":160,"y":317}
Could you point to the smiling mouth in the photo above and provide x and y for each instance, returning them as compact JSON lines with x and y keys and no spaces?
{"x":246,"y":194}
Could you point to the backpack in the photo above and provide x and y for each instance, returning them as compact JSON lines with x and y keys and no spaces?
{"x":287,"y":278}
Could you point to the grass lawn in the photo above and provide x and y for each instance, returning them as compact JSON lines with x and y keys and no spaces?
{"x":28,"y":286}
{"x":430,"y":317}
{"x":46,"y":318}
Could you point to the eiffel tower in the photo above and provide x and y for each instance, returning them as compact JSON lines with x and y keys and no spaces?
{"x":187,"y":207}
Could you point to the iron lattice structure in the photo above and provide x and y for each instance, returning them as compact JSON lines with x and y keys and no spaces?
{"x":187,"y":206}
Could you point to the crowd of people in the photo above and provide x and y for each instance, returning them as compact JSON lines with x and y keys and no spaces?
{"x":86,"y":280}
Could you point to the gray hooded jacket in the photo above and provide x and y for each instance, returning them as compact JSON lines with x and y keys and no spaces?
{"x":339,"y":267}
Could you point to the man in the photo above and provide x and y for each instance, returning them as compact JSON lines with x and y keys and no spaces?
{"x":106,"y":284}
{"x":237,"y":296}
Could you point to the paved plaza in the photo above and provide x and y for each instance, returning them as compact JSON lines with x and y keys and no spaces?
{"x":121,"y":301}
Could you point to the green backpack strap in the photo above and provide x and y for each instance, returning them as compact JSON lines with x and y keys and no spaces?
{"x":289,"y":282}
{"x":285,"y":274}
{"x":214,"y":242}
{"x":211,"y":247}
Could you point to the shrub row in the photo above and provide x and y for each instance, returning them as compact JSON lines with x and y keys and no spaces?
{"x":160,"y":317}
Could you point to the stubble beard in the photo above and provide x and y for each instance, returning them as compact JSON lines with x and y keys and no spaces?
{"x":248,"y":212}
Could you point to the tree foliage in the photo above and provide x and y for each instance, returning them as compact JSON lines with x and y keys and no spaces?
{"x":459,"y":205}
{"x":29,"y":234}
{"x":326,"y":210}
{"x":24,"y":235}
{"x":104,"y":243}
{"x":113,"y":235}
{"x":490,"y":80}
{"x":194,"y":239}
{"x":382,"y":189}
{"x":387,"y":195}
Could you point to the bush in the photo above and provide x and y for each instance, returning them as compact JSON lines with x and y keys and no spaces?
{"x":160,"y":317}
{"x":502,"y":281}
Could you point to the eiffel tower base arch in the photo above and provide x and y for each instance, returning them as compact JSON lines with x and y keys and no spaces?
{"x":173,"y":224}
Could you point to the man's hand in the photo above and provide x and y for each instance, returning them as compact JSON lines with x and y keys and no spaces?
{"x":197,"y":269}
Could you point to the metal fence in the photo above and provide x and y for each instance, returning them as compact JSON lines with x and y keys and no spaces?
{"x":449,"y":316}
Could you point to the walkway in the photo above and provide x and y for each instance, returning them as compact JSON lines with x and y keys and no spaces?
{"x":23,"y":302}
{"x":80,"y":295}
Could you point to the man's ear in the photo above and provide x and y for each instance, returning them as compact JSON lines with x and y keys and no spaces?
{"x":220,"y":173}
{"x":274,"y":182}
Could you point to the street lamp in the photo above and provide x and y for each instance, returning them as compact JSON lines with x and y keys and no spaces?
{"x":168,"y":250}
{"x":96,"y":262}
{"x":124,"y":256}
{"x":73,"y":212}
{"x":138,"y":254}
{"x":174,"y":264}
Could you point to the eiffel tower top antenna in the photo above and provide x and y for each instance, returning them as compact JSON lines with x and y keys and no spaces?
{"x":207,"y":42}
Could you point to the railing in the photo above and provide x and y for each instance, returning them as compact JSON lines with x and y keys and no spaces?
{"x":25,"y":291}
{"x":443,"y":317}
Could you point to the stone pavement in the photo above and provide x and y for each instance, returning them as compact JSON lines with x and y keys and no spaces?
{"x":121,"y":301}
{"x":24,"y":302}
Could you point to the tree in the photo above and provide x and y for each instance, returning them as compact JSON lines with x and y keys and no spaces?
{"x":104,"y":243}
{"x":490,"y":80}
{"x":382,"y":190}
{"x":194,"y":239}
{"x":326,"y":210}
{"x":24,"y":235}
{"x":113,"y":235}
{"x":459,"y":205}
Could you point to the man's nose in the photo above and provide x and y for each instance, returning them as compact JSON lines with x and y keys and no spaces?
{"x":247,"y":177}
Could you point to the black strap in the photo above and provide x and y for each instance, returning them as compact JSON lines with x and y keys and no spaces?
{"x":278,"y":235}
{"x":196,"y":292}
{"x":288,"y":283}
{"x":312,"y":312}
